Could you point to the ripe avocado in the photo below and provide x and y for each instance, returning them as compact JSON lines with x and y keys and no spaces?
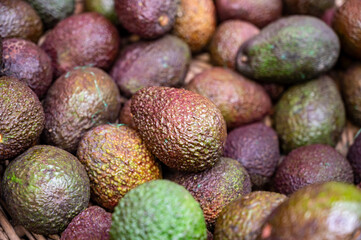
{"x":116,"y":160}
{"x":162,"y":62}
{"x":309,"y":113}
{"x":44,"y":189}
{"x":243,"y":218}
{"x":29,"y":63}
{"x":307,"y":7}
{"x":126,"y":116}
{"x":159,"y":209}
{"x":289,"y":50}
{"x":183,"y":129}
{"x":214,"y":188}
{"x":354,"y":157}
{"x":104,"y":7}
{"x":78,"y":101}
{"x":21,"y":117}
{"x":19,"y":20}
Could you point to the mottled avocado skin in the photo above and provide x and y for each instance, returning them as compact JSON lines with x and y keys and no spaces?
{"x":104,"y":7}
{"x":214,"y":188}
{"x":183,"y":129}
{"x":243,"y":218}
{"x":307,"y":7}
{"x":27,"y":62}
{"x":256,"y":147}
{"x":354,"y":157}
{"x":290,"y":50}
{"x":78,"y":101}
{"x":310,"y":113}
{"x":163,"y":62}
{"x":311,"y":164}
{"x":44,"y":189}
{"x":21,"y":117}
{"x":116,"y":160}
{"x":147,"y":18}
{"x":87,"y":39}
{"x":159,"y":209}
{"x":327,"y":211}
{"x":92,"y":223}
{"x":19,"y":20}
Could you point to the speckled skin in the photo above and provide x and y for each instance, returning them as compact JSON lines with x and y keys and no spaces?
{"x":86,"y":39}
{"x":195,"y":23}
{"x":163,"y":62}
{"x":78,"y":101}
{"x":328,"y":211}
{"x":184,"y":130}
{"x":147,"y":18}
{"x":214,"y":188}
{"x":292,"y":49}
{"x":116,"y":160}
{"x":93,"y":224}
{"x":346,"y":24}
{"x":104,"y":7}
{"x":256,"y":147}
{"x":309,"y":113}
{"x":311,"y":164}
{"x":240,"y":100}
{"x":126,"y":116}
{"x":307,"y":7}
{"x":27,"y":62}
{"x":19,"y":20}
{"x":227,"y":39}
{"x":159,"y":209}
{"x":258,"y":12}
{"x":351,"y":91}
{"x":21,"y":117}
{"x":44,"y":189}
{"x":243,"y":218}
{"x":354,"y":157}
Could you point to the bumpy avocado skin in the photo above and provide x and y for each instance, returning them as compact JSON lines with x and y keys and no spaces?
{"x":92,"y":223}
{"x":292,"y":49}
{"x":116,"y":160}
{"x":19,"y":20}
{"x":311,"y":164}
{"x":44,"y":189}
{"x":125,"y":115}
{"x":104,"y":7}
{"x":21,"y":117}
{"x":354,"y":157}
{"x":308,"y":7}
{"x":327,"y":211}
{"x":86,"y":39}
{"x":214,"y":188}
{"x":27,"y":62}
{"x":243,"y":218}
{"x":53,"y":11}
{"x":159,"y":209}
{"x":163,"y":62}
{"x":184,"y":130}
{"x":309,"y":113}
{"x":78,"y":101}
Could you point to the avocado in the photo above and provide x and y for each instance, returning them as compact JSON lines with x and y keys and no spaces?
{"x":259,"y":13}
{"x":78,"y":101}
{"x":327,"y":211}
{"x":274,"y":90}
{"x":214,"y":188}
{"x":19,"y":20}
{"x":346,"y":25}
{"x":21,"y":117}
{"x":240,"y":100}
{"x":162,"y":62}
{"x":44,"y":189}
{"x":308,"y":7}
{"x":159,"y":209}
{"x":311,"y":164}
{"x":243,"y":218}
{"x":309,"y":113}
{"x":227,"y":39}
{"x":83,"y":39}
{"x":183,"y":129}
{"x":29,"y":63}
{"x":354,"y":157}
{"x":104,"y":7}
{"x":92,"y":223}
{"x":148,"y":19}
{"x":125,"y":115}
{"x":290,"y":50}
{"x":256,"y":147}
{"x":116,"y":160}
{"x":53,"y":11}
{"x":195,"y":23}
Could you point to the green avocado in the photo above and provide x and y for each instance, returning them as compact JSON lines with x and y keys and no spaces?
{"x":104,"y":7}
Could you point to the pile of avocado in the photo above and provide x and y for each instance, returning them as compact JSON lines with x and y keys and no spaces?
{"x":180,"y":119}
